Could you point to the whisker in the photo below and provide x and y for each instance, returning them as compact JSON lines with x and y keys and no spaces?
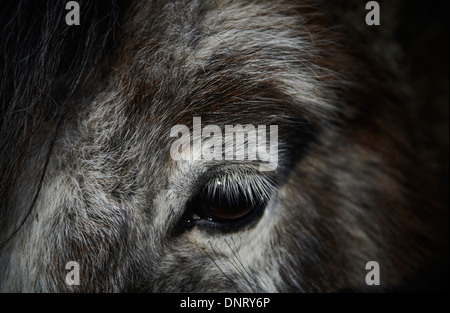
{"x":223,"y":273}
{"x":243,"y":274}
{"x":217,"y":255}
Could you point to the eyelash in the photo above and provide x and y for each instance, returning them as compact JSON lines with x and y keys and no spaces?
{"x":258,"y":187}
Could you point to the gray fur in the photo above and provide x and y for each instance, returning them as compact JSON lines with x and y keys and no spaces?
{"x":346,"y":191}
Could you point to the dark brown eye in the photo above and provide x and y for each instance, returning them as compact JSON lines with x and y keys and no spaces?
{"x":225,"y":207}
{"x":228,"y":202}
{"x":225,"y":203}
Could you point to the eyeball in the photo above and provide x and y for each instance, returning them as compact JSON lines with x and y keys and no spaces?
{"x":224,"y":207}
{"x":230,"y":201}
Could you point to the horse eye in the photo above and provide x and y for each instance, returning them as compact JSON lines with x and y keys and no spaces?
{"x":222,"y":207}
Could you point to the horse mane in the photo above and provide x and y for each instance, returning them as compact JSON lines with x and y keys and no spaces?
{"x":42,"y":55}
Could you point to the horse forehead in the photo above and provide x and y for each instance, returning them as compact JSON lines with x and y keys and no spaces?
{"x":216,"y":57}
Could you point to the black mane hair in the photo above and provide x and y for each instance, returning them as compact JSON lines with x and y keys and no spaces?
{"x":41,"y":54}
